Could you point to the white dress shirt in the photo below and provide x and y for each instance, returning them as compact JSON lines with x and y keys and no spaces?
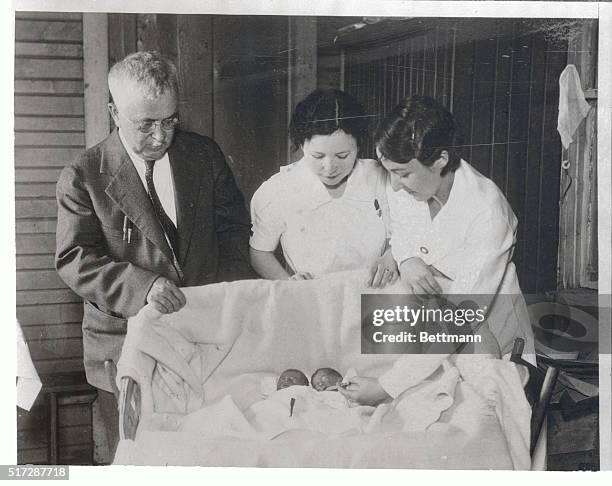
{"x":162,"y":179}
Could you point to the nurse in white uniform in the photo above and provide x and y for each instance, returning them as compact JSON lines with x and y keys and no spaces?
{"x":328,"y":210}
{"x":453,"y":231}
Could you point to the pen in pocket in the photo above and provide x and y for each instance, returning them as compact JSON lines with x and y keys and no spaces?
{"x":125,"y":225}
{"x":127,"y":229}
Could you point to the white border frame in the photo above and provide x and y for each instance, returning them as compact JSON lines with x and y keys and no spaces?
{"x":600,"y":10}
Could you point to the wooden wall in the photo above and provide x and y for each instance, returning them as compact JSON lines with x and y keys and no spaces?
{"x":231,"y":89}
{"x":379,"y":74}
{"x":501,"y":82}
{"x":507,"y":104}
{"x":49,"y":132}
{"x":250,"y":95}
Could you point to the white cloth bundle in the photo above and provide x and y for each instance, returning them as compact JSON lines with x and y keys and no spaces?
{"x":200,"y":371}
{"x":572,"y":105}
{"x":28,"y":382}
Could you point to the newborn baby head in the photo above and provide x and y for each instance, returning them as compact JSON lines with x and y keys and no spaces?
{"x":323,"y":378}
{"x":291,"y":377}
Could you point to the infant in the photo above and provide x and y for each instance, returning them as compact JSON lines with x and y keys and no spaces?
{"x":291,"y":377}
{"x":297,"y":403}
{"x":323,"y":379}
{"x":326,"y":379}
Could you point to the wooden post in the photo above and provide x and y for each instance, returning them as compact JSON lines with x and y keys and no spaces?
{"x":195,"y":64}
{"x":302,"y":48}
{"x":95,"y":70}
{"x":122,"y":36}
{"x":578,"y":211}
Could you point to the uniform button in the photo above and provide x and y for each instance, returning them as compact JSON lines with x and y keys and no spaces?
{"x":424,"y":250}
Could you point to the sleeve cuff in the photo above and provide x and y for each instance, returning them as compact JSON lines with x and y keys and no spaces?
{"x":261,"y":243}
{"x":408,"y":371}
{"x":139,"y":301}
{"x":402,"y":252}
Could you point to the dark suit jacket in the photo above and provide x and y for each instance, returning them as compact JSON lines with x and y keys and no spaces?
{"x":96,"y":192}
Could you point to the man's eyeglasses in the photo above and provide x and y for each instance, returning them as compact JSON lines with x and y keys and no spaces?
{"x":148,"y":126}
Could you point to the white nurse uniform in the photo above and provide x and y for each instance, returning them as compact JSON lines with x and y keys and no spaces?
{"x":318,"y":233}
{"x":470,"y":241}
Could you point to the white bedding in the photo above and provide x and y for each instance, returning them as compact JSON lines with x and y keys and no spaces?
{"x":200,"y":372}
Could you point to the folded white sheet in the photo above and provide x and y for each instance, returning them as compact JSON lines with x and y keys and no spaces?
{"x":200,"y":372}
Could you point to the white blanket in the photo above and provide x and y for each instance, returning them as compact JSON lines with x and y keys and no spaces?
{"x":200,"y":372}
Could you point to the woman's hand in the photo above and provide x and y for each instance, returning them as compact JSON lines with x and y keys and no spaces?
{"x":419,"y":277}
{"x":302,"y":276}
{"x":365,"y":391}
{"x":384,"y":271}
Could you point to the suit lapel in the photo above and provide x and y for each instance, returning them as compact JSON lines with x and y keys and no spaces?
{"x":186,"y":190}
{"x":127,"y":191}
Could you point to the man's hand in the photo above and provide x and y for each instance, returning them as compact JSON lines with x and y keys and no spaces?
{"x":419,"y":277}
{"x":165,"y":296}
{"x":365,"y":391}
{"x":384,"y":271}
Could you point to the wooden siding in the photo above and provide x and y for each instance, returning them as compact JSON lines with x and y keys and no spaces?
{"x":49,"y":133}
{"x":75,"y":435}
{"x":502,"y":85}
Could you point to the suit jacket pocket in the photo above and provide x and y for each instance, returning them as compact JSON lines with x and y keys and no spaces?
{"x":103,"y":336}
{"x":97,"y":321}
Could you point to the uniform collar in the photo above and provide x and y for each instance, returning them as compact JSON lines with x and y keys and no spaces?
{"x":456,"y":197}
{"x":310,"y":191}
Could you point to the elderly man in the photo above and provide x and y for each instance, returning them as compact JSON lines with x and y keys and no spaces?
{"x":146,"y":211}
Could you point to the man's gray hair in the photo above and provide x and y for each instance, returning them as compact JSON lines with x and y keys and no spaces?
{"x":154,"y":73}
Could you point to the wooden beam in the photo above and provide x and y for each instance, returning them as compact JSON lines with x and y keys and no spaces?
{"x":303,"y":74}
{"x":44,"y":157}
{"x":37,"y":175}
{"x":34,"y":297}
{"x":95,"y":70}
{"x":302,"y":64}
{"x":48,"y":30}
{"x":122,"y":36}
{"x":49,"y":124}
{"x":47,"y":69}
{"x":195,"y":65}
{"x":577,"y":260}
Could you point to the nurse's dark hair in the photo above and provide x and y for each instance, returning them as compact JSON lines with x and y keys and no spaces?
{"x":419,"y":128}
{"x":323,"y":112}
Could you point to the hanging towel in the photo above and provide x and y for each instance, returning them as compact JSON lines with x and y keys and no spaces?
{"x":572,"y":105}
{"x":28,"y":382}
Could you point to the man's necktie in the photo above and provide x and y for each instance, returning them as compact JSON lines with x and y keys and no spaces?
{"x":163,"y":218}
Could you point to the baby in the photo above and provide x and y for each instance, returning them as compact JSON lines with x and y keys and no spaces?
{"x":296,"y":403}
{"x":324,"y":379}
{"x":291,"y":377}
